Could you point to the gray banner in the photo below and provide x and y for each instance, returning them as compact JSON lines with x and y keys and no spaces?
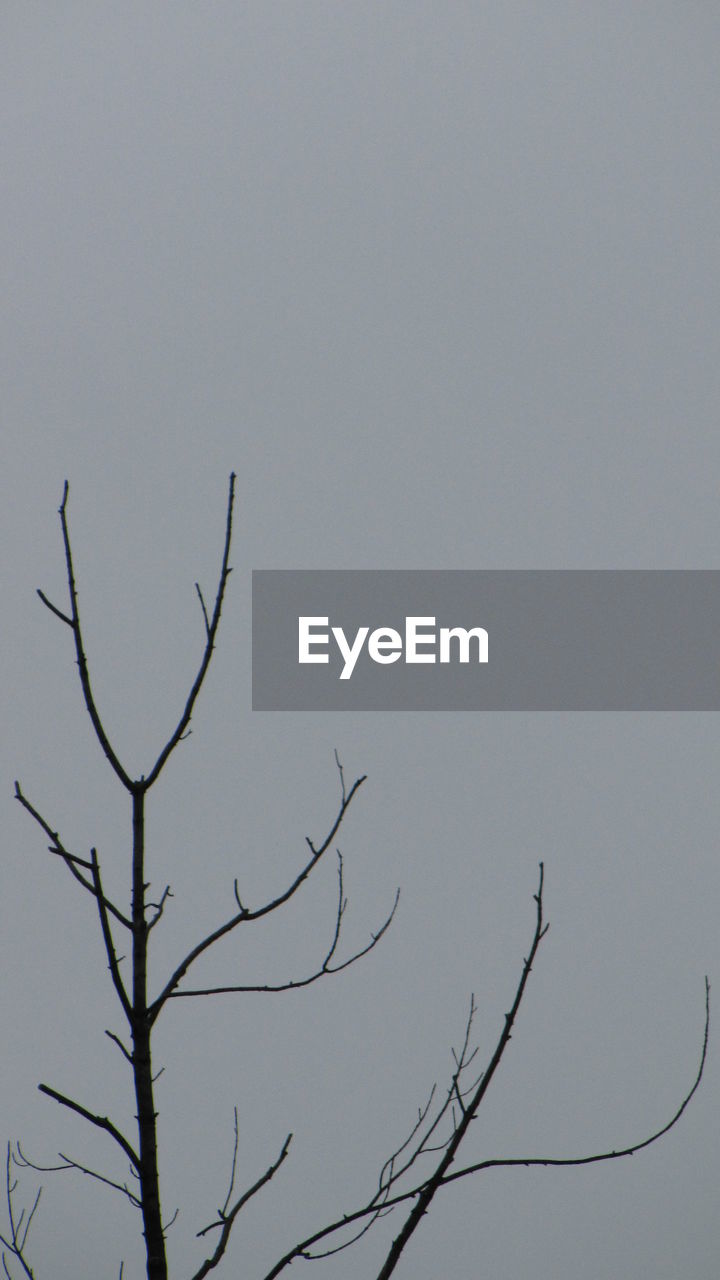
{"x":553,"y":640}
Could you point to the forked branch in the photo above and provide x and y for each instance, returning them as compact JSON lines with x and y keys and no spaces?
{"x":19,"y":1223}
{"x":227,"y":1215}
{"x":458,"y":1108}
{"x":244,"y":914}
{"x":211,"y":632}
{"x":551,"y":1161}
{"x":326,"y":968}
{"x":73,"y":621}
{"x":469,"y":1111}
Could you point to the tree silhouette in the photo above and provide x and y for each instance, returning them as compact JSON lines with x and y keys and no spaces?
{"x":410,"y":1177}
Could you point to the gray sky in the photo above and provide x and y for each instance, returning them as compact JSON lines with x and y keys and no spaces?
{"x":440,"y":284}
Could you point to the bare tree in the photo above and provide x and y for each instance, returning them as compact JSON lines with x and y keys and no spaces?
{"x":422,"y":1165}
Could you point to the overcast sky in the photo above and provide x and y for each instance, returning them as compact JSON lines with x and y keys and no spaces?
{"x":440,"y":282}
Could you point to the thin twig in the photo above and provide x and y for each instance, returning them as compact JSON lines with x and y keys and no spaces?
{"x":204,"y":610}
{"x":340,"y":771}
{"x":233,"y":1170}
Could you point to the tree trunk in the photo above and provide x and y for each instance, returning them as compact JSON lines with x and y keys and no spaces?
{"x":142,"y":1062}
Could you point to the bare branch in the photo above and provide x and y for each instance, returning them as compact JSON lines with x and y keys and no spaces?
{"x":73,"y":621}
{"x":231,"y":1185}
{"x":71,"y":860}
{"x":17,"y":1240}
{"x":424,"y":1191}
{"x":24,"y":1162}
{"x":54,"y":609}
{"x":547,"y":1161}
{"x":159,"y":906}
{"x":244,"y":914}
{"x":342,"y":775}
{"x":68,"y":1163}
{"x":344,"y":803}
{"x":418,"y":1143}
{"x":108,"y":939}
{"x":116,"y":1040}
{"x":204,"y":610}
{"x":100,"y":1122}
{"x":428,"y":1192}
{"x":346,"y":1244}
{"x":326,"y":967}
{"x":226,"y":1218}
{"x":387,"y":1173}
{"x":211,"y":629}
